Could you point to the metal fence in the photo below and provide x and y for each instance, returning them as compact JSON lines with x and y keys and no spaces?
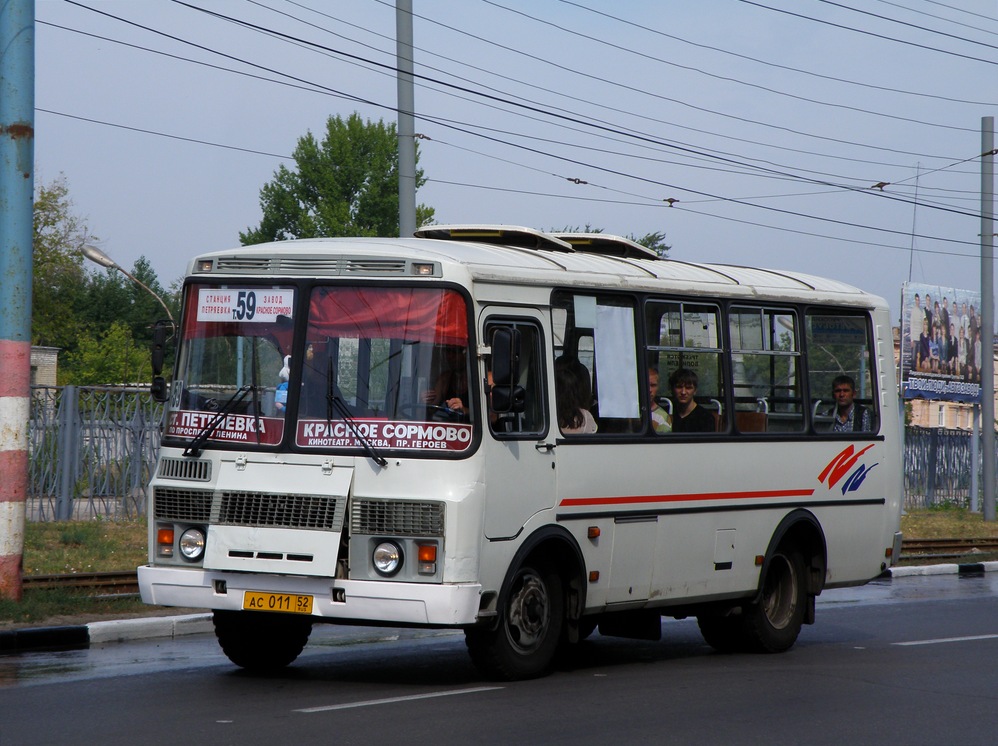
{"x":938,"y":467}
{"x":93,"y":449}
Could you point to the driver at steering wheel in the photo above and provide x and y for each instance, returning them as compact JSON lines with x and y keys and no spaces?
{"x":451,"y":387}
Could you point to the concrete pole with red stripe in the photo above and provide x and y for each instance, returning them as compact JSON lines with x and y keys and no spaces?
{"x":17,"y":138}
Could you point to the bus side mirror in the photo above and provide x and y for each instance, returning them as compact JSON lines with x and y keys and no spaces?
{"x":159,"y":388}
{"x":158,"y":347}
{"x":507,"y":396}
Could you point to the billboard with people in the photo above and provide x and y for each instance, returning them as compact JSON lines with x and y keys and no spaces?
{"x":941,"y":343}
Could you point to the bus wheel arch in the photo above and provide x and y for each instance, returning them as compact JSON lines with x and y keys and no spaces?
{"x":800,"y":531}
{"x":539,"y":603}
{"x":792,"y":575}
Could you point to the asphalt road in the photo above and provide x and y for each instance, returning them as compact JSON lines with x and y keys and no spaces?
{"x":908,"y":661}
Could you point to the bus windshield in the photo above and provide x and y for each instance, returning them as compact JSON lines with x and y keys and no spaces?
{"x":382,"y":368}
{"x":234,"y":344}
{"x":379,"y":361}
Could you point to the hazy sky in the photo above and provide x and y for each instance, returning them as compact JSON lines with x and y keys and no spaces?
{"x":770,"y":122}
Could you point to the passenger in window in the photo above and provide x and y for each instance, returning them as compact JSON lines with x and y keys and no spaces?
{"x":661,"y":422}
{"x":281,"y":394}
{"x":849,"y":416}
{"x":687,"y":415}
{"x":573,"y":397}
{"x":451,"y":387}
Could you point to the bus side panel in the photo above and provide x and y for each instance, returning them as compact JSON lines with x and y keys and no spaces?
{"x":714,"y":508}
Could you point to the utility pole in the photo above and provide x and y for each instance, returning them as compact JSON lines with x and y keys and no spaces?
{"x":17,"y":137}
{"x":987,"y":328}
{"x":406,"y":119}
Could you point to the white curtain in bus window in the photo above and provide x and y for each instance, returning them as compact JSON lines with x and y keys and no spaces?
{"x":616,"y":362}
{"x":765,"y":359}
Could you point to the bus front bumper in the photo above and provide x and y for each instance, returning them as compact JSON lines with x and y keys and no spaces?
{"x":432,"y":604}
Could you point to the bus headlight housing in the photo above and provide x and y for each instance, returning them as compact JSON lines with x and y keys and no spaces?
{"x":192,"y":544}
{"x":387,"y":558}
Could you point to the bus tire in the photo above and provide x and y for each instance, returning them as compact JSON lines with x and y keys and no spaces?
{"x":531,"y":623}
{"x":773,"y":623}
{"x":260,"y":641}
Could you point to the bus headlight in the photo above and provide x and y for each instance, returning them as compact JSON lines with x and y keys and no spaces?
{"x":192,"y":544}
{"x":387,"y":558}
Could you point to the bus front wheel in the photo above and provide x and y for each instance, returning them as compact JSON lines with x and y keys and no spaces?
{"x":524,"y":642}
{"x":259,"y":641}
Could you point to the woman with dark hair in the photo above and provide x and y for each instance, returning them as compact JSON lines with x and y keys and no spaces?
{"x":573,"y":397}
{"x":687,"y":415}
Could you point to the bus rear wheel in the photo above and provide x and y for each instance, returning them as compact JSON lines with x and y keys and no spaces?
{"x":524,"y":642}
{"x":260,"y":641}
{"x":773,"y":624}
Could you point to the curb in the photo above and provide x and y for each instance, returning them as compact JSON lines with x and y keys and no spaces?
{"x":969,"y":568}
{"x":81,"y":637}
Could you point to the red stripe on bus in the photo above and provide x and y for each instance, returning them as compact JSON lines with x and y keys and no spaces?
{"x":641,"y":499}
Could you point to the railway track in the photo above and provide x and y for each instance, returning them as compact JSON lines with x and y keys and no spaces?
{"x":947,"y":548}
{"x":126,"y":583}
{"x":100,"y":583}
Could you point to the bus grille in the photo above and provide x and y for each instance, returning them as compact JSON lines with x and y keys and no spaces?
{"x":189,"y":506}
{"x":397,"y":518}
{"x":284,"y":511}
{"x":195,"y":470}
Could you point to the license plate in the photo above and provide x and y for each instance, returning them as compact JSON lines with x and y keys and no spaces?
{"x":292,"y":603}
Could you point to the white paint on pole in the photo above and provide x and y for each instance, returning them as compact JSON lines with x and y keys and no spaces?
{"x":14,"y":414}
{"x":11,"y":528}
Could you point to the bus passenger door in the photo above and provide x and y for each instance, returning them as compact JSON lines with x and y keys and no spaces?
{"x":519,"y":464}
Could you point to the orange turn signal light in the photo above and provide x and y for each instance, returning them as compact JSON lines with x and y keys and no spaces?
{"x":427,"y":552}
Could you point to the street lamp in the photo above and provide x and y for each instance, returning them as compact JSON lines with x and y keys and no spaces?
{"x":99,"y":257}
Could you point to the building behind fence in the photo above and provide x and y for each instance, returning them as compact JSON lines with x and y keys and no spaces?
{"x":93,"y":449}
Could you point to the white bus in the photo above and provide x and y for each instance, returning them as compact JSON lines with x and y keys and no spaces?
{"x":369,"y":431}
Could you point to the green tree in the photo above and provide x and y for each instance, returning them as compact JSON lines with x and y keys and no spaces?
{"x":655,"y":242}
{"x":58,"y":277}
{"x":111,"y":357}
{"x":345,"y":185}
{"x":111,"y":296}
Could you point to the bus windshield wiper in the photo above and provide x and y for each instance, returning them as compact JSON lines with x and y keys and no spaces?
{"x":335,"y":402}
{"x":197,"y":443}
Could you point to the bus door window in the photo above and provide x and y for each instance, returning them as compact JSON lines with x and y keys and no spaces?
{"x":528,"y":419}
{"x":600,"y":331}
{"x":684,"y":336}
{"x":839,"y":344}
{"x":765,"y":359}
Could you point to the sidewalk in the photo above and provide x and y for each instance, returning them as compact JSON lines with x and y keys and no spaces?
{"x":81,"y":636}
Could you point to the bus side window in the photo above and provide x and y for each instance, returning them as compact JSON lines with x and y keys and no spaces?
{"x":599,"y":330}
{"x":685,"y":336}
{"x":839,"y":344}
{"x":766,"y":370}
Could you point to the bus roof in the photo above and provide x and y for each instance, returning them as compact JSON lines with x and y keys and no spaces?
{"x":512,"y":255}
